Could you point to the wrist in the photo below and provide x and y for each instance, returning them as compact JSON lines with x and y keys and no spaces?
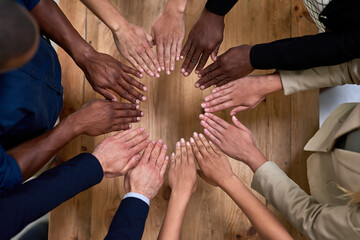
{"x":76,"y":125}
{"x":214,"y":16}
{"x":83,"y":54}
{"x":183,"y":196}
{"x":228,"y":181}
{"x":272,"y":83}
{"x":120,"y":26}
{"x":175,"y":9}
{"x":256,"y":160}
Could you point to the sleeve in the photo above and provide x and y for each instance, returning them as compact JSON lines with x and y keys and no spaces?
{"x":28,"y":4}
{"x":317,"y":220}
{"x":320,"y":77}
{"x":10,"y":173}
{"x":323,"y":49}
{"x":129,"y":220}
{"x":31,"y":200}
{"x":220,"y":7}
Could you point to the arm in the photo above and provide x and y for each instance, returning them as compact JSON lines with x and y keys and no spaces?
{"x":144,"y":181}
{"x":95,"y":118}
{"x":168,"y":32}
{"x":317,"y":220}
{"x":216,"y":169}
{"x":183,"y":183}
{"x":103,"y":72}
{"x":133,"y":42}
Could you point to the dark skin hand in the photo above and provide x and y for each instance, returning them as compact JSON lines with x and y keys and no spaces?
{"x":233,"y":64}
{"x":204,"y":40}
{"x":103,"y":72}
{"x":94,"y":118}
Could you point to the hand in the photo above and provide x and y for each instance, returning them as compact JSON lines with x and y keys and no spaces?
{"x":234,"y":63}
{"x":168,"y":32}
{"x":242,"y":94}
{"x":235,"y":140}
{"x":204,"y":40}
{"x":148,"y":176}
{"x":135,"y":44}
{"x":215,"y":168}
{"x":120,"y":153}
{"x":182,"y":172}
{"x":101,"y":116}
{"x":104,"y":73}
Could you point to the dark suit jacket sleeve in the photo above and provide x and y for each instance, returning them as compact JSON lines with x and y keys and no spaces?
{"x":31,"y":200}
{"x":220,"y":7}
{"x":129,"y":220}
{"x":10,"y":173}
{"x":300,"y":53}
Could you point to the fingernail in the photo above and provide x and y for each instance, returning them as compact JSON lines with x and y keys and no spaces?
{"x":161,"y":141}
{"x":138,"y":119}
{"x":137,"y":101}
{"x":166,"y":158}
{"x":202,"y":87}
{"x":207,"y":114}
{"x":195,"y":134}
{"x":140,"y":75}
{"x":234,"y":118}
{"x":203,"y":105}
{"x":178,"y":144}
{"x":201,"y":116}
{"x":157,"y":75}
{"x":130,"y":126}
{"x":186,"y":74}
{"x":138,"y":157}
{"x":168,"y":72}
{"x":148,"y":140}
{"x":164,"y":147}
{"x":196,"y":71}
{"x":192,"y":140}
{"x":151,"y":74}
{"x":177,"y":59}
{"x":207,"y":99}
{"x":173,"y":154}
{"x":206,"y":109}
{"x":147,"y":135}
{"x":181,"y":57}
{"x":142,"y":129}
{"x":182,"y":140}
{"x":137,"y":107}
{"x":199,"y":75}
{"x":201,"y":135}
{"x":159,"y":69}
{"x":197,"y":85}
{"x":163,"y":68}
{"x":142,"y":114}
{"x":153,"y":142}
{"x":202,"y":123}
{"x":172,"y":68}
{"x":214,"y":91}
{"x":210,"y":142}
{"x":145,"y":88}
{"x":182,"y":70}
{"x":143,"y":98}
{"x":141,"y":70}
{"x":187,"y":144}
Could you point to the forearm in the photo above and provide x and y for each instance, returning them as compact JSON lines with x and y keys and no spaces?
{"x":107,"y":13}
{"x":34,"y":154}
{"x":177,"y":6}
{"x":256,"y":211}
{"x":171,"y":227}
{"x":54,"y":24}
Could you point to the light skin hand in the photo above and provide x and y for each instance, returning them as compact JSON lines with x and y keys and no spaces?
{"x":135,"y":44}
{"x":235,"y":140}
{"x":101,"y":116}
{"x":233,"y":64}
{"x":204,"y":40}
{"x":120,"y":153}
{"x":148,"y":176}
{"x":215,"y":168}
{"x":168,"y":33}
{"x":242,"y":94}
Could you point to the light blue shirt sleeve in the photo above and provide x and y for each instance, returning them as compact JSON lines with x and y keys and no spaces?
{"x":138,"y":196}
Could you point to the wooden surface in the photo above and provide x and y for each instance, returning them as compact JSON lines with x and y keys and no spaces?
{"x":281,"y":125}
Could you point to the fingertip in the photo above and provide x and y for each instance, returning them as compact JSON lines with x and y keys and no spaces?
{"x":192,"y":140}
{"x":178,"y":144}
{"x":195,"y":134}
{"x":201,"y":135}
{"x":197,"y":85}
{"x":188,"y":144}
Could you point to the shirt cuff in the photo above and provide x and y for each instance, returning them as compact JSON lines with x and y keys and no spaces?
{"x":138,"y":196}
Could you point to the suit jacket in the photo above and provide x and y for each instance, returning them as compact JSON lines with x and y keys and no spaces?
{"x":220,"y":7}
{"x":324,"y":214}
{"x":340,"y":45}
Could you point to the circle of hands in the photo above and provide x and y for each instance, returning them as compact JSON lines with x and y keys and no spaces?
{"x":233,"y":89}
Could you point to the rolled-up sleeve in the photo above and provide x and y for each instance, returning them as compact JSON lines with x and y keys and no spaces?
{"x":317,"y":220}
{"x":10,"y":174}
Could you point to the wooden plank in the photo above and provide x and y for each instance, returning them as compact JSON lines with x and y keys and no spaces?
{"x":171,"y":112}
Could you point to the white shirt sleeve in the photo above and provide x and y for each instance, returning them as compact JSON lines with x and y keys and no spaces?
{"x":138,"y":196}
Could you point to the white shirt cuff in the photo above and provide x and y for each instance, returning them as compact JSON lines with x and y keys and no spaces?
{"x":138,"y":196}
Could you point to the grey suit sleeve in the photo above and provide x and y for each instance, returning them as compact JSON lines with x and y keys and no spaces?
{"x":320,"y":77}
{"x":317,"y":220}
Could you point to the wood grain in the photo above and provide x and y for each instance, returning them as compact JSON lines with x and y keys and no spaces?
{"x":281,"y":125}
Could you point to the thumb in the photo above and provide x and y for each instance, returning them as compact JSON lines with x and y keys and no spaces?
{"x":238,"y":124}
{"x":107,"y":94}
{"x":131,"y":164}
{"x":238,"y":109}
{"x":149,"y":39}
{"x":215,"y":53}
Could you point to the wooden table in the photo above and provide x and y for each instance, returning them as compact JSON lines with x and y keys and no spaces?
{"x":281,"y":125}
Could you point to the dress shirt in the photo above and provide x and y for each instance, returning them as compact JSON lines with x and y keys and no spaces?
{"x":138,"y":196}
{"x":31,"y":99}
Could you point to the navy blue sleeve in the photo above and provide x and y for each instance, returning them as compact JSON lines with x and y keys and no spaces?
{"x":220,"y":7}
{"x":10,"y":174}
{"x":129,"y":220}
{"x":31,"y":200}
{"x":28,"y":4}
{"x":323,"y":49}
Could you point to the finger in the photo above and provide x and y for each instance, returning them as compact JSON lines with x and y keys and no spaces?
{"x":149,"y":62}
{"x":212,"y":137}
{"x":186,"y":49}
{"x":162,"y":155}
{"x":167,"y":57}
{"x":215,"y":52}
{"x":215,"y":148}
{"x":173,"y":161}
{"x":131,"y":71}
{"x":218,"y":120}
{"x":124,"y":106}
{"x":123,"y":93}
{"x":195,"y":149}
{"x":149,"y":39}
{"x":202,"y":62}
{"x":155,"y":152}
{"x":125,"y":120}
{"x":156,"y":66}
{"x":163,"y":168}
{"x":217,"y":101}
{"x":139,"y":147}
{"x":137,"y":139}
{"x":127,"y":135}
{"x":178,"y":49}
{"x":172,"y":56}
{"x":183,"y":151}
{"x":131,"y":164}
{"x":220,"y":107}
{"x":135,"y":65}
{"x":143,"y":65}
{"x":160,"y":54}
{"x":135,"y":83}
{"x":205,"y":143}
{"x":209,"y":77}
{"x":216,"y":95}
{"x":119,"y":127}
{"x":209,"y":68}
{"x":214,"y":81}
{"x":187,"y":60}
{"x":238,"y":109}
{"x":190,"y":155}
{"x":193,"y":61}
{"x":212,"y":129}
{"x":123,"y":133}
{"x":147,"y":152}
{"x":178,"y":153}
{"x":223,"y":87}
{"x":223,"y":82}
{"x":130,"y":82}
{"x":128,"y":113}
{"x":107,"y":94}
{"x":200,"y":145}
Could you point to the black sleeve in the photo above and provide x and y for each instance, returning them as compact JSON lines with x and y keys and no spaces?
{"x":220,"y":7}
{"x":129,"y":220}
{"x":323,"y":49}
{"x":31,"y":200}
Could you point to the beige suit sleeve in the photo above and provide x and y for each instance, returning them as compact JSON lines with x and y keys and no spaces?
{"x":317,"y":220}
{"x":320,"y":77}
